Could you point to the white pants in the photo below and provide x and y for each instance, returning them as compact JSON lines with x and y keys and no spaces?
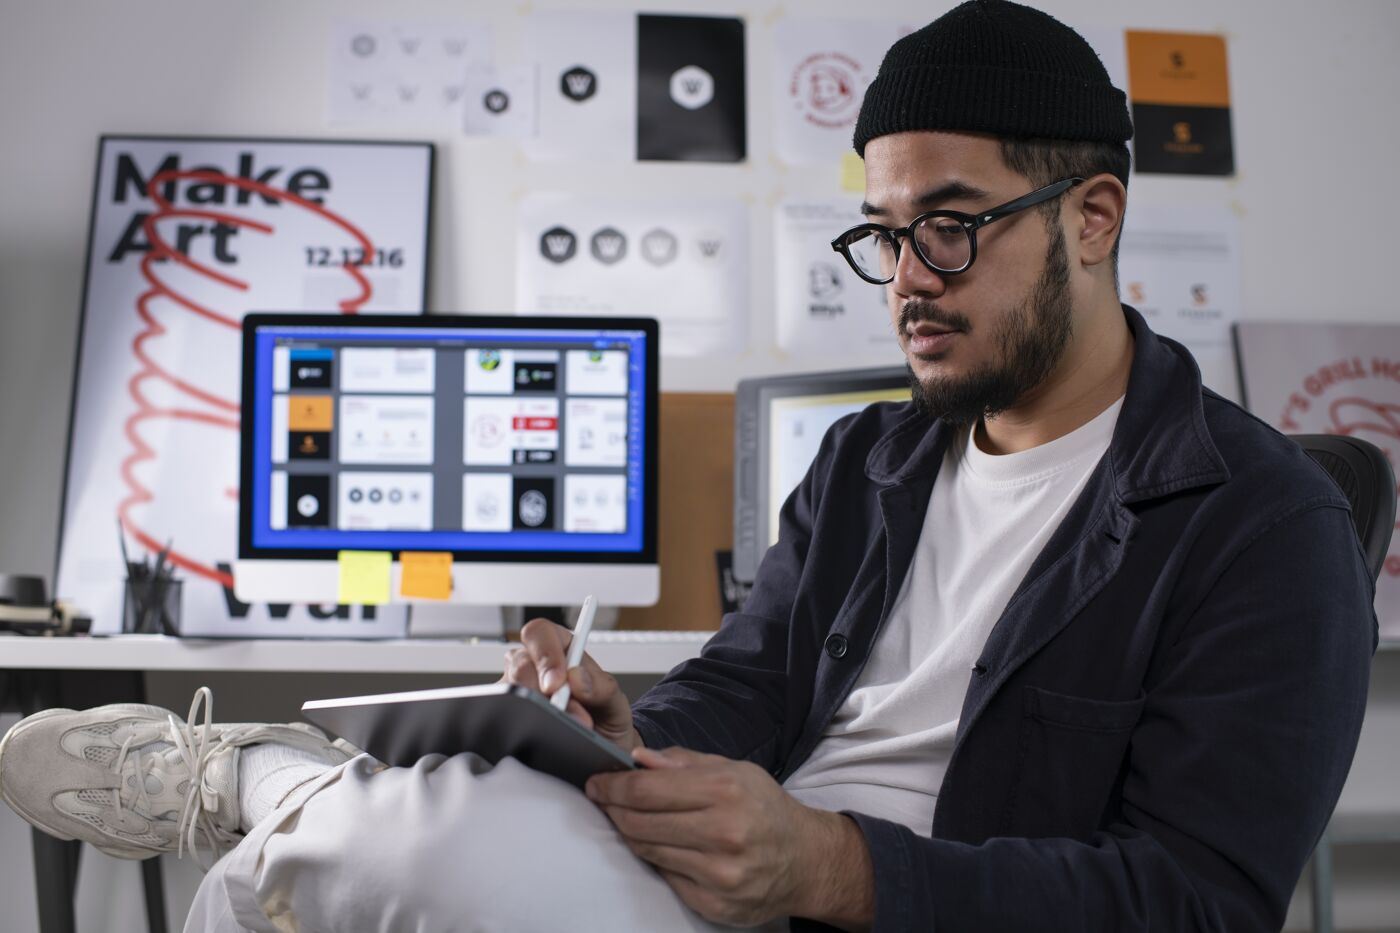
{"x":450,"y":844}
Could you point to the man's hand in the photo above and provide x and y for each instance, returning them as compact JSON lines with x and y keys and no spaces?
{"x":735,"y":846}
{"x":540,"y":663}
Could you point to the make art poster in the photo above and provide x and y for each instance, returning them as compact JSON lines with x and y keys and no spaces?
{"x":187,"y":236}
{"x":1331,"y":379}
{"x":821,"y":70}
{"x":639,"y":86}
{"x":681,"y":261}
{"x":403,"y":73}
{"x":825,"y":310}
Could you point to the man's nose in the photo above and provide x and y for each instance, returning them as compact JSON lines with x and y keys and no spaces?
{"x":913,"y":277}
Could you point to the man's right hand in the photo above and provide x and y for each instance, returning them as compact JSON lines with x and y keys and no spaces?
{"x":540,"y":663}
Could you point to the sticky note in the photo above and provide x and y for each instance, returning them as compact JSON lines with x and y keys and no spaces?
{"x":364,"y":577}
{"x":852,"y":173}
{"x":425,"y":574}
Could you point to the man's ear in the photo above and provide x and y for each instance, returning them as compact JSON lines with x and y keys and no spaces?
{"x":1101,"y":201}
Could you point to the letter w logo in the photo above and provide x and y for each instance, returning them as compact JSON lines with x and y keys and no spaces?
{"x":710,"y":248}
{"x":579,"y":84}
{"x":559,"y":245}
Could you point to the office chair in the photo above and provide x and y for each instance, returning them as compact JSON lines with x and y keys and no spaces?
{"x":1364,"y":475}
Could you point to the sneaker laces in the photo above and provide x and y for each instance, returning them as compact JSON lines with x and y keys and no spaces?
{"x":196,"y":750}
{"x":201,"y":799}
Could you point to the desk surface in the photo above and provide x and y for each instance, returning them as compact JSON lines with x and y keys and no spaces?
{"x":617,"y":652}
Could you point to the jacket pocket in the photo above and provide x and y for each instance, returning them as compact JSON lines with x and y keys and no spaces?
{"x":1069,"y":763}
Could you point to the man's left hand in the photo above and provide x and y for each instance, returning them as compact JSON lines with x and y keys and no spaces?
{"x":734,"y":845}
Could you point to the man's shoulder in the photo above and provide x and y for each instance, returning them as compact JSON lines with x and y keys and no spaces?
{"x":1264,"y":463}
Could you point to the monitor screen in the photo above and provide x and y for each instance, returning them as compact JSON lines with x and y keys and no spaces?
{"x":779,"y":425}
{"x":498,"y":439}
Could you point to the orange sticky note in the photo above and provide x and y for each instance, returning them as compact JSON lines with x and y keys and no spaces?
{"x":425,"y":575}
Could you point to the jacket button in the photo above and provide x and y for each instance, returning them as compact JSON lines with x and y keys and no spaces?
{"x":979,"y":668}
{"x":836,"y":646}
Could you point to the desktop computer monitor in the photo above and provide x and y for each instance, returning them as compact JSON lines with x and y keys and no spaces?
{"x":779,"y":422}
{"x":524,"y":446}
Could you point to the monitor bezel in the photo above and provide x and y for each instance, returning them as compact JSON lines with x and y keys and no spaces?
{"x":646,"y":555}
{"x":753,"y":402}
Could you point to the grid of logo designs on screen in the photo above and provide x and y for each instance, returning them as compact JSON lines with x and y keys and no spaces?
{"x":453,"y":440}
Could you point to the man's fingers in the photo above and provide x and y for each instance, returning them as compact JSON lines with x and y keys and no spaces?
{"x":547,"y":645}
{"x":683,"y":829}
{"x":678,"y":789}
{"x":520,"y":670}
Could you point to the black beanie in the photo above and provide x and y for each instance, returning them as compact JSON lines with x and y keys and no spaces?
{"x":989,"y":66}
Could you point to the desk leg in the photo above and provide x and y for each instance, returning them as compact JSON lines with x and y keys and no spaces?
{"x":56,"y":878}
{"x":155,"y":895}
{"x":1322,"y":885}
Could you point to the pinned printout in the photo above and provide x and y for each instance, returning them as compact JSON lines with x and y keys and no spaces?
{"x":425,"y":575}
{"x":625,"y":86}
{"x":1180,"y":89}
{"x":852,"y":173}
{"x":683,"y":261}
{"x":824,"y":309}
{"x":364,"y":577}
{"x":821,"y":70}
{"x":403,"y":73}
{"x":500,"y":101}
{"x":1180,"y":267}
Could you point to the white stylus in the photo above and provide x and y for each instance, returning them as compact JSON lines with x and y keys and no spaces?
{"x":582,"y":627}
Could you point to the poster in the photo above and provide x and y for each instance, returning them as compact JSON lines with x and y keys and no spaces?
{"x":1179,"y":85}
{"x":403,"y":73}
{"x":621,"y":86}
{"x":821,"y":69}
{"x":187,"y":236}
{"x":683,"y":261}
{"x":1331,"y":379}
{"x":823,"y":308}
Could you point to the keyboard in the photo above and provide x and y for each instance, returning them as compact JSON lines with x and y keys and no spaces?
{"x":650,"y":637}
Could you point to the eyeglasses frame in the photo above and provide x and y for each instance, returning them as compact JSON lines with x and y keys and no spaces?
{"x":970,"y":222}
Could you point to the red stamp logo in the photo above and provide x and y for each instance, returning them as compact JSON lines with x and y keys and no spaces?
{"x":826,"y":88}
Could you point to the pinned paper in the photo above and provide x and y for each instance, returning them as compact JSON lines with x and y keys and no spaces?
{"x":852,"y":173}
{"x":364,"y":578}
{"x":425,"y":574}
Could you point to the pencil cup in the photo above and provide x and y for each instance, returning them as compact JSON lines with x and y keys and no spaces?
{"x":152,"y":606}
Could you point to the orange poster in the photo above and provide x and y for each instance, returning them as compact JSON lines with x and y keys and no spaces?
{"x":1179,"y":85}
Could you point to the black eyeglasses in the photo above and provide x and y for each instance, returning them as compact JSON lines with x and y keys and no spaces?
{"x":945,"y":241}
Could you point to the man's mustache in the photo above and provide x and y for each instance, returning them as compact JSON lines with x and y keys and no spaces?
{"x":916,"y":311}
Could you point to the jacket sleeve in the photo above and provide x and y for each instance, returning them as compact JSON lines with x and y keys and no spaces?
{"x":735,"y":697}
{"x":1246,"y":738}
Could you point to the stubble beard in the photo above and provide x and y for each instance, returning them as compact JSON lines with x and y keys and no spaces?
{"x":1031,"y":343}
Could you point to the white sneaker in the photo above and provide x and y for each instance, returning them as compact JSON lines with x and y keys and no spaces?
{"x":134,"y":780}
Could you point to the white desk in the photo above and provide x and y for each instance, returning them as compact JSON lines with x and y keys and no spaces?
{"x":616,"y":652}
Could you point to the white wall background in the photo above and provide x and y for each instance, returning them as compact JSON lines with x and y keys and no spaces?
{"x":1313,"y":86}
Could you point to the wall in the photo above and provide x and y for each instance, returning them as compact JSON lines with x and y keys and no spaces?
{"x":1312,"y":85}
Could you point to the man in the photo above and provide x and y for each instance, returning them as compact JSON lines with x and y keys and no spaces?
{"x":1067,"y":643}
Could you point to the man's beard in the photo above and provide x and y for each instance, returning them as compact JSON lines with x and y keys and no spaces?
{"x":1032,"y":341}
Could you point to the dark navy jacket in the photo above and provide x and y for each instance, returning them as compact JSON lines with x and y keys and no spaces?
{"x":1161,"y":721}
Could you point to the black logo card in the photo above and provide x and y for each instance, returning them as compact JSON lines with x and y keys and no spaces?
{"x":308,"y":501}
{"x":534,"y":503}
{"x":690,"y":89}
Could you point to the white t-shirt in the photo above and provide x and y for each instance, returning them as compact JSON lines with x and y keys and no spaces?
{"x":885,"y":750}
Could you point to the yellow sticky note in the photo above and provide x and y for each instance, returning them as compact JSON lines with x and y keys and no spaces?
{"x":425,"y":574}
{"x":852,"y":173}
{"x":364,"y":577}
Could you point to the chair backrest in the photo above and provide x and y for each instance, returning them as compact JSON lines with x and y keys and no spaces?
{"x":1364,"y":474}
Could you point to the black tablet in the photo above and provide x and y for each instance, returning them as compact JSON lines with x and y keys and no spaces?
{"x":494,"y":721}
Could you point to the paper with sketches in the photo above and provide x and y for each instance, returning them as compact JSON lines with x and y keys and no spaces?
{"x":403,"y":72}
{"x":588,"y":85}
{"x":821,"y":68}
{"x":823,"y":308}
{"x":501,"y":101}
{"x":682,"y":261}
{"x":1180,"y":267}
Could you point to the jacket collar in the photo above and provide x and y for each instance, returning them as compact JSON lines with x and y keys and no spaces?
{"x":1160,"y":445}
